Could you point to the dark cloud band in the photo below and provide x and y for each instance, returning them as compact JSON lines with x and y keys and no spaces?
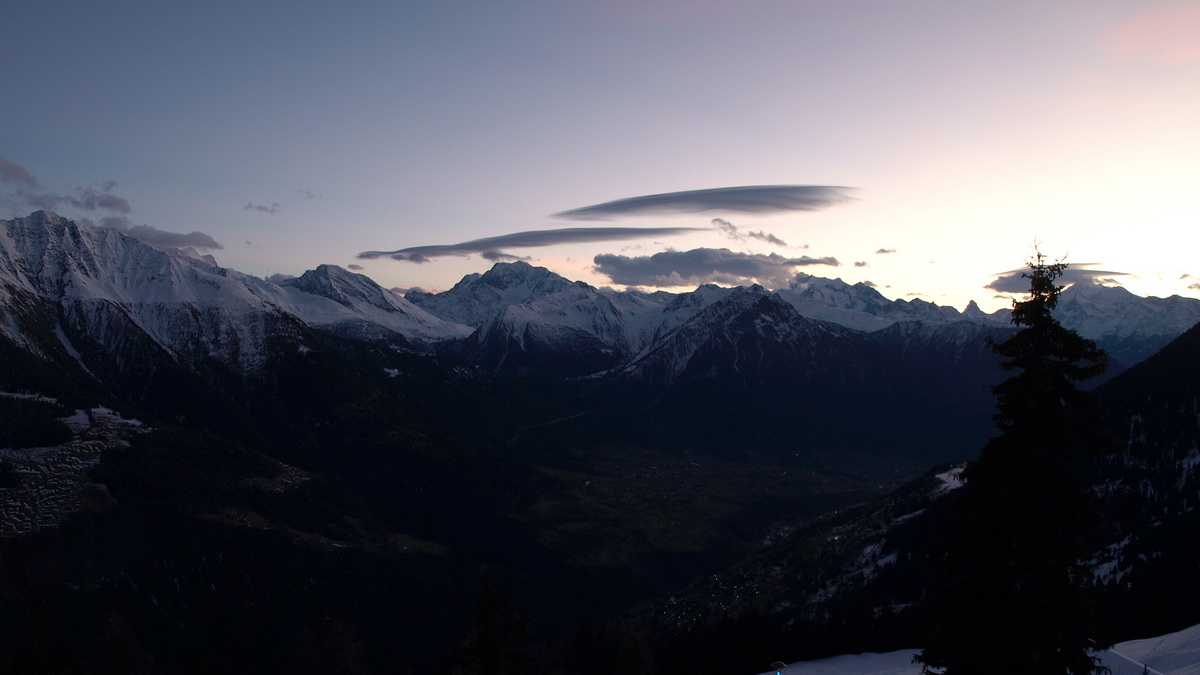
{"x":85,"y":199}
{"x":703,"y":265}
{"x":272,"y":209}
{"x":157,"y":237}
{"x":30,"y":193}
{"x":1016,"y":282}
{"x":96,"y":197}
{"x":491,"y":247}
{"x":746,"y":199}
{"x":13,"y":173}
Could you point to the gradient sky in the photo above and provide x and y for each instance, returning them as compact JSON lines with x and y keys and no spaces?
{"x":298,"y":133}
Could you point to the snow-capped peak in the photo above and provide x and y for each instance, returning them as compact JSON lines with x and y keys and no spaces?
{"x":102,"y":279}
{"x":1129,"y":326}
{"x":479,"y":297}
{"x":334,"y":297}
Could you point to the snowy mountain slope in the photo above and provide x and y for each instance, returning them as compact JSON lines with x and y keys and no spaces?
{"x":478,"y":297}
{"x":675,"y":310}
{"x":569,"y":333}
{"x":105,"y":290}
{"x":1172,"y":654}
{"x":101,"y":288}
{"x":1128,"y":326}
{"x":534,"y":322}
{"x":1175,"y":653}
{"x":861,"y":307}
{"x":360,"y":306}
{"x":100,"y":283}
{"x":628,"y":322}
{"x":752,"y":333}
{"x":520,"y":307}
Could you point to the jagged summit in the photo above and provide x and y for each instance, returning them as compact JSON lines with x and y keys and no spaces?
{"x":520,"y":273}
{"x":973,"y":311}
{"x":861,"y":307}
{"x":1128,"y":326}
{"x":52,"y":255}
{"x":98,"y":286}
{"x":836,"y":292}
{"x":749,"y":333}
{"x":339,"y":284}
{"x":362,"y":308}
{"x":478,"y":297}
{"x":191,"y":306}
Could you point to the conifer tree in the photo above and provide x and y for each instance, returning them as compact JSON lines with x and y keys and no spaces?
{"x":1012,"y":599}
{"x":499,"y":643}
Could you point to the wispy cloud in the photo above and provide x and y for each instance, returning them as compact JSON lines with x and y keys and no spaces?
{"x":13,"y":173}
{"x":491,"y":247}
{"x":272,"y":209}
{"x":157,"y":237}
{"x":745,"y":199}
{"x":734,"y":232}
{"x":96,"y":197}
{"x":1015,"y":282}
{"x":703,"y":265}
{"x":884,"y":251}
{"x":308,"y":194}
{"x":29,"y":193}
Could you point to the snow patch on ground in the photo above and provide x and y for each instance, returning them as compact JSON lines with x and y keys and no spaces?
{"x":28,"y":397}
{"x":53,"y":483}
{"x":892,"y":663}
{"x":1106,"y":566}
{"x":1173,"y":654}
{"x":1192,"y":460}
{"x":950,"y":480}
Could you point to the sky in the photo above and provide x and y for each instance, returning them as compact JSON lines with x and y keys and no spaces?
{"x":925,"y":147}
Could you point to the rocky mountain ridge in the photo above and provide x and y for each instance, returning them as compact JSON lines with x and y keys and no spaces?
{"x":103,"y":284}
{"x":309,"y":434}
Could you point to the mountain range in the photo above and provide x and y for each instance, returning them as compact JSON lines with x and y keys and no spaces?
{"x":595,"y":450}
{"x":103,"y":284}
{"x":810,"y":361}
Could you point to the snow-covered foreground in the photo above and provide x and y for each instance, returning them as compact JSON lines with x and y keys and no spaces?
{"x":1173,"y":654}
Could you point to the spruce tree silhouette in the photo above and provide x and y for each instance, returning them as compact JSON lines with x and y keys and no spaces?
{"x":499,"y":643}
{"x":1012,"y":600}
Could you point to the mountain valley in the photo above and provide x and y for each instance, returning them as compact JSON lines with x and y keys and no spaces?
{"x":203,"y":470}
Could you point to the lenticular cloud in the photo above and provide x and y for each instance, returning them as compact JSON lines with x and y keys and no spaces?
{"x":744,"y":199}
{"x":491,"y":247}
